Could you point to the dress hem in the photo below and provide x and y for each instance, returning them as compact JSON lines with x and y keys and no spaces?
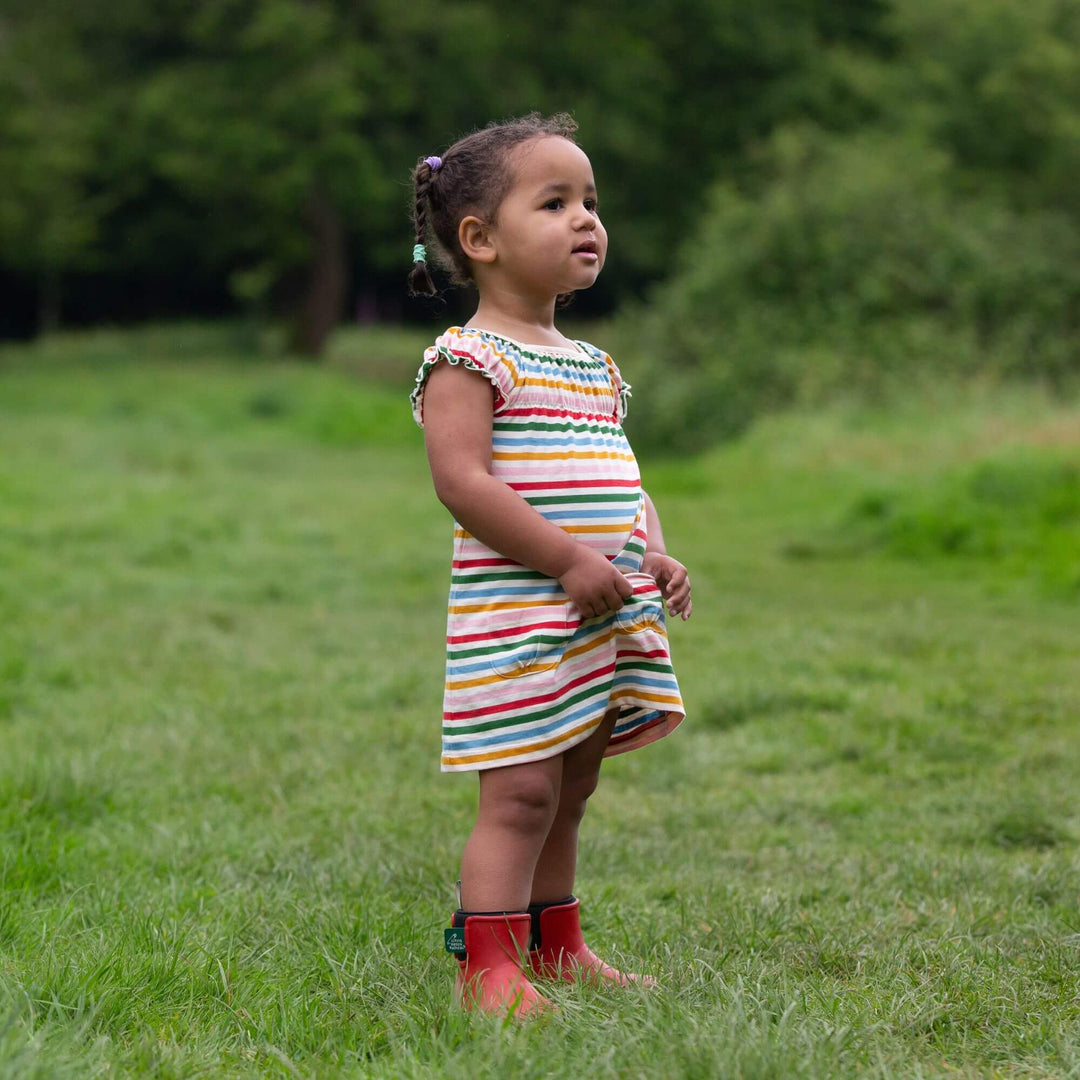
{"x":654,"y":730}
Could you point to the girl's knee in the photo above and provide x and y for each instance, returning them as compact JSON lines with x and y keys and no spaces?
{"x":576,"y":791}
{"x":527,"y":803}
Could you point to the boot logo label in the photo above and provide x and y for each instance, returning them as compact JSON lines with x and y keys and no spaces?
{"x":455,"y":939}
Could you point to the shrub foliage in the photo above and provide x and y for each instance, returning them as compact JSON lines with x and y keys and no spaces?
{"x":940,"y":238}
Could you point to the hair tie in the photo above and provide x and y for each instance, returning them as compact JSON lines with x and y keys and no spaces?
{"x":419,"y":254}
{"x":434,"y":163}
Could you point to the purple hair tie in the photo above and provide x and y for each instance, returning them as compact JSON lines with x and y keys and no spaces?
{"x":435,"y":163}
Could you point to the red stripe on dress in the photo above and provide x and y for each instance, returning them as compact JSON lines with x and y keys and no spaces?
{"x":539,"y":699}
{"x":563,"y":413}
{"x":460,"y":639}
{"x":652,"y":654}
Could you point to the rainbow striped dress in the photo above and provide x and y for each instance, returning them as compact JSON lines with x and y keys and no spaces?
{"x":526,"y":677}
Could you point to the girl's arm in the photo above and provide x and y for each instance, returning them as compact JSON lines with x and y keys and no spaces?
{"x":457,"y":434}
{"x":670,"y":574}
{"x":652,"y":527}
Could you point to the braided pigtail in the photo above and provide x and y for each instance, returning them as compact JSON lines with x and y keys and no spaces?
{"x":420,"y":281}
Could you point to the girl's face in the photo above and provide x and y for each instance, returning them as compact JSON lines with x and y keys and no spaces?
{"x":547,"y":236}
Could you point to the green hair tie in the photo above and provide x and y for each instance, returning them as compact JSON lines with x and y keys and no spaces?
{"x":419,"y":254}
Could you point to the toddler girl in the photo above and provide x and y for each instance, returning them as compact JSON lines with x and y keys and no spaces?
{"x":556,"y":650}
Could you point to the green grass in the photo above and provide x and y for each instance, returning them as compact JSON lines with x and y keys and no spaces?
{"x":225,"y":846}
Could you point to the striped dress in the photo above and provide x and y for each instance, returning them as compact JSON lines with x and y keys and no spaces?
{"x":526,"y":677}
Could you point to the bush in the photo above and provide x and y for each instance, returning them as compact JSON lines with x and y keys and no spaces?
{"x":862,"y":261}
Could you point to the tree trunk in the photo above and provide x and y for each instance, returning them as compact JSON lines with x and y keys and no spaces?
{"x":324,"y":292}
{"x":48,"y":302}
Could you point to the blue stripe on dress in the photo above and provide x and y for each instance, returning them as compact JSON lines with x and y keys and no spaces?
{"x":511,"y":442}
{"x":641,"y":680}
{"x":499,"y":739}
{"x":586,"y":512}
{"x":470,"y":592}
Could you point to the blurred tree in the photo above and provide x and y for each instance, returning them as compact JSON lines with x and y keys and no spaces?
{"x":259,"y":150}
{"x":267,"y":143}
{"x":251,"y":127}
{"x":998,"y":82}
{"x":941,"y":235}
{"x":667,"y":97}
{"x":49,"y":210}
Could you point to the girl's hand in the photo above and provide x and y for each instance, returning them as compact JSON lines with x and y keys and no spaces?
{"x":594,"y":586}
{"x":673,"y":580}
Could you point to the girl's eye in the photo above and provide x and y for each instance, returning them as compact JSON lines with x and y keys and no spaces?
{"x":553,"y":204}
{"x":590,"y":205}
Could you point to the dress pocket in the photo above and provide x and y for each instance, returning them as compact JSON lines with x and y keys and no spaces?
{"x":540,"y":649}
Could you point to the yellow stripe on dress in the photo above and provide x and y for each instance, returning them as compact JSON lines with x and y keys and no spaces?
{"x":647,"y":623}
{"x":461,"y":534}
{"x":562,"y":455}
{"x":503,"y":605}
{"x":661,"y":699}
{"x":577,"y":388}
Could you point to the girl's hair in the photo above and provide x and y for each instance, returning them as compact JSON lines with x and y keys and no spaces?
{"x":474,"y":178}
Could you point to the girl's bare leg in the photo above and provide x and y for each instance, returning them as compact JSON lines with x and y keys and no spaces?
{"x":553,"y":876}
{"x":518,"y":804}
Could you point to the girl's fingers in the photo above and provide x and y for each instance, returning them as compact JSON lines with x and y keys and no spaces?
{"x":676,"y":582}
{"x":682,"y":609}
{"x":680,"y":599}
{"x":678,"y":587}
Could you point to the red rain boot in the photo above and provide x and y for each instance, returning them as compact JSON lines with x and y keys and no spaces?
{"x":562,"y":952}
{"x":492,"y":978}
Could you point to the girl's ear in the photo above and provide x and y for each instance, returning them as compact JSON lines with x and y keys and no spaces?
{"x":476,"y":240}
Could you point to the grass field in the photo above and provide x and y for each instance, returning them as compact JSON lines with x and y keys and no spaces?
{"x":225,"y":846}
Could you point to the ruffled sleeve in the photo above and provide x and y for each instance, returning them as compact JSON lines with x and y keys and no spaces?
{"x":476,"y":351}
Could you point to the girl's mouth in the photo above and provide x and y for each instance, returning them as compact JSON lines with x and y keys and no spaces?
{"x":588,"y":249}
